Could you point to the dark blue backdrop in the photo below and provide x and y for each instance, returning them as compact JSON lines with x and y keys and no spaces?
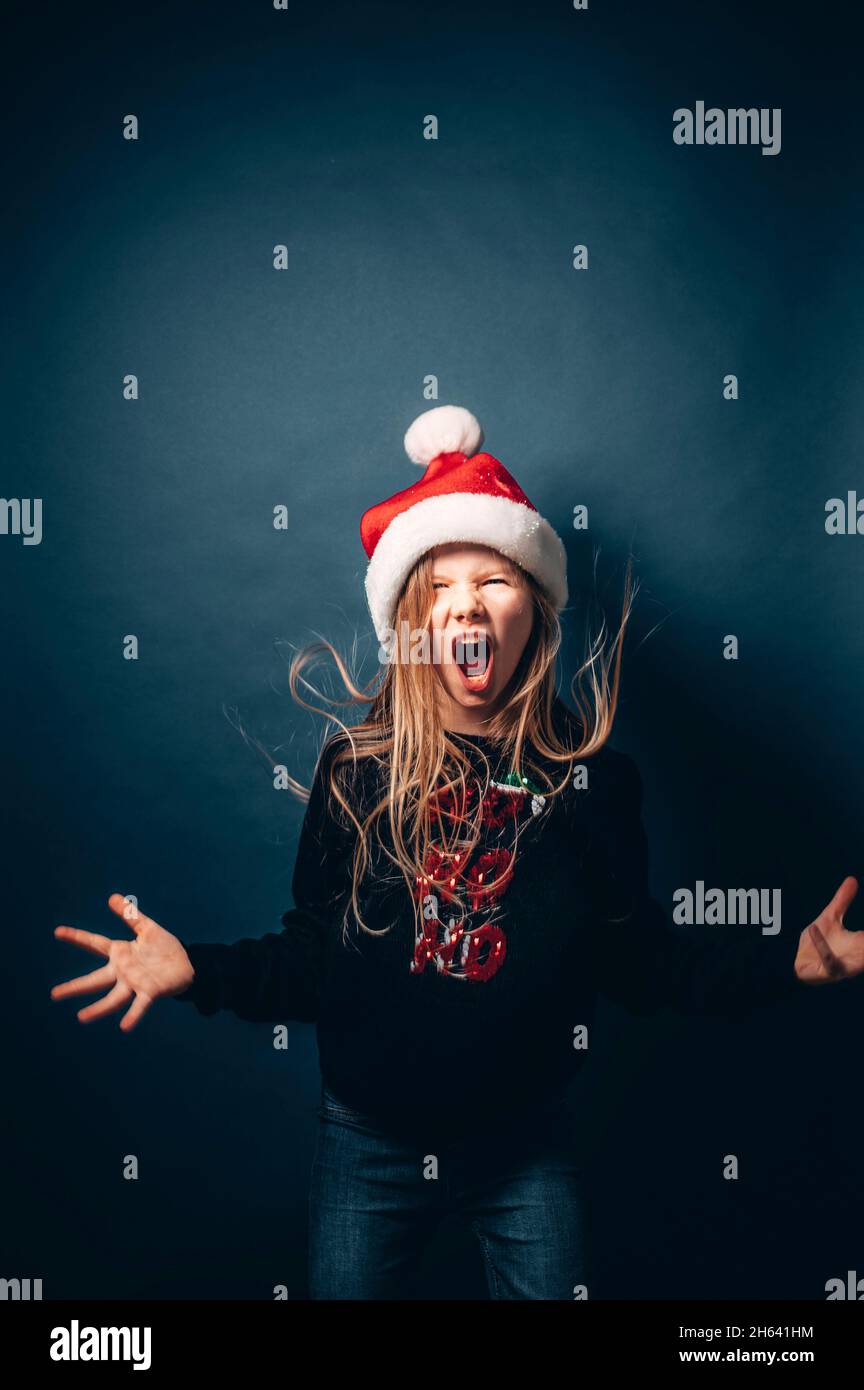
{"x":409,"y":257}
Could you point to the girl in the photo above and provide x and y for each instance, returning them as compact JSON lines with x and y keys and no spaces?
{"x":471,"y":869}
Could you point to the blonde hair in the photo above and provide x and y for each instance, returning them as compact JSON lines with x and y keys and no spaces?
{"x":417,"y":758}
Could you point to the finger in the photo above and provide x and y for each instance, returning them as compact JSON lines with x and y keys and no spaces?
{"x":843,"y":898}
{"x":833,"y":967}
{"x":114,"y":1000}
{"x":85,"y":984}
{"x":91,"y":941}
{"x":132,"y":915}
{"x":136,"y":1012}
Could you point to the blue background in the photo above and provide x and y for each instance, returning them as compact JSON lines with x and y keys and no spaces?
{"x":408,"y":257}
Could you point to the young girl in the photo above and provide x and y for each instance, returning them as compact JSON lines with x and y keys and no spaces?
{"x":472,"y":869}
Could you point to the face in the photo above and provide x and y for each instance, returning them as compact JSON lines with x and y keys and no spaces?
{"x":477,"y":596}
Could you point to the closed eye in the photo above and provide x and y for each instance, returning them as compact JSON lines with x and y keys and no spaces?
{"x":438,"y":583}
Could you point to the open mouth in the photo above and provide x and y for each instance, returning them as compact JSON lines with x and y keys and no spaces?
{"x":473,"y":656}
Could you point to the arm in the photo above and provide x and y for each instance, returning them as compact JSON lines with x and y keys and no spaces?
{"x":647,"y":965}
{"x":271,"y":978}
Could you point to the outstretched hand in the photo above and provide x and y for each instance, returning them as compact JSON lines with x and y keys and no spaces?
{"x":152,"y":965}
{"x":827,"y":951}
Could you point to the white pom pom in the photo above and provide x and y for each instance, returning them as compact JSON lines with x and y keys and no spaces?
{"x":446,"y":429}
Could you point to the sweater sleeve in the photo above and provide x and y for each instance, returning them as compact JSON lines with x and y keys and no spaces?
{"x":647,"y":965}
{"x":276,"y":977}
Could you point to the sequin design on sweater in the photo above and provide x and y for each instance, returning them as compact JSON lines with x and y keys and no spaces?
{"x":466,"y":949}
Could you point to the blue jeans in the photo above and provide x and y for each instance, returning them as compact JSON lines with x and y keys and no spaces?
{"x":375,"y":1200}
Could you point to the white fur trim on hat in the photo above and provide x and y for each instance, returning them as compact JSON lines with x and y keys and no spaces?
{"x":446,"y":429}
{"x":517,"y":531}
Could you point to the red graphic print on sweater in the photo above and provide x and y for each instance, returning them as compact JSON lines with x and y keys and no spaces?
{"x":479,"y":876}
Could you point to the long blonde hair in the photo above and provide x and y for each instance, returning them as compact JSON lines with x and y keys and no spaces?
{"x":417,"y":759}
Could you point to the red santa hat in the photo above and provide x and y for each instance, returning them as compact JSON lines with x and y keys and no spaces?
{"x":462,"y":496}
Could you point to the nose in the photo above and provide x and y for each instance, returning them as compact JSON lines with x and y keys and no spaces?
{"x":466,"y":603}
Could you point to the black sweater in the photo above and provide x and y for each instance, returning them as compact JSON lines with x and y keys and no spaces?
{"x":455,"y":1033}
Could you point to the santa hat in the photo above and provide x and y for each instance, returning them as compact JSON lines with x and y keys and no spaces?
{"x":462,"y":496}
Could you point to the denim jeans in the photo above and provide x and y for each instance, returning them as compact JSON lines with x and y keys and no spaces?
{"x":374,"y":1203}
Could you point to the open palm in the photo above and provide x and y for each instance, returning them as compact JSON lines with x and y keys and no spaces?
{"x":827,"y":951}
{"x":150,"y":966}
